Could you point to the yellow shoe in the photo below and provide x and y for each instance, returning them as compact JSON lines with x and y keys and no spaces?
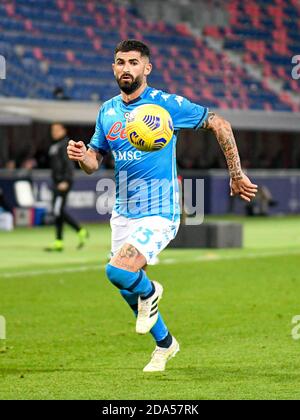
{"x":83,"y":235}
{"x":57,"y":246}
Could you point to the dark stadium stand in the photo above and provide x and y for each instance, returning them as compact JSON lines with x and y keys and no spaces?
{"x":69,"y":44}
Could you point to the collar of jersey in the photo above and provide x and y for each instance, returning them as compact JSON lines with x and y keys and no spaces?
{"x":138,"y":98}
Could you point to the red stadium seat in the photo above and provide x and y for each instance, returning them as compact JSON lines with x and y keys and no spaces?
{"x":28,"y":25}
{"x":38,"y":54}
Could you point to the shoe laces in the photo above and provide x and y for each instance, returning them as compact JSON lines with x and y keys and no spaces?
{"x":145,"y":306}
{"x":158,"y":353}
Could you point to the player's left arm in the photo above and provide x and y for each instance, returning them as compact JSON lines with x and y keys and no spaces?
{"x":240,"y":184}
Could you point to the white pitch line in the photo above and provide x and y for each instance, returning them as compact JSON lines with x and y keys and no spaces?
{"x":214,"y":257}
{"x":52,"y":271}
{"x":168,"y":261}
{"x":247,"y":256}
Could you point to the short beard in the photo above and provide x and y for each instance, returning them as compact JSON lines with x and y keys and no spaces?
{"x":129,"y":88}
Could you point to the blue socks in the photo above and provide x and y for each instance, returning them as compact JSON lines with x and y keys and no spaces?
{"x":166,"y":342}
{"x":132,"y":285}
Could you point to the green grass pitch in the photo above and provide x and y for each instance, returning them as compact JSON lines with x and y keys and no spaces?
{"x":71,"y":336}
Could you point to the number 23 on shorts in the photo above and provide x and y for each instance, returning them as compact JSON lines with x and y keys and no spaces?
{"x":142,"y":235}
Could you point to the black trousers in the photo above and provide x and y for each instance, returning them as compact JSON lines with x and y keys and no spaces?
{"x":60,"y":214}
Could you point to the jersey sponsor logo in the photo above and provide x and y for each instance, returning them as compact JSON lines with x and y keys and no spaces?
{"x":116,"y":132}
{"x":127,"y":156}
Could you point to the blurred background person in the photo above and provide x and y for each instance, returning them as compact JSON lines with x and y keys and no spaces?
{"x":262,"y":202}
{"x":6,"y":213}
{"x":4,"y":148}
{"x":62,"y":176}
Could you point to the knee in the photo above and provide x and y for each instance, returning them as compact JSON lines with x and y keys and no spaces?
{"x":119,"y":277}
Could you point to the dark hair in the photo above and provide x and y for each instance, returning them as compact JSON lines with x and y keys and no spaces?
{"x":133,"y":45}
{"x":58,"y":123}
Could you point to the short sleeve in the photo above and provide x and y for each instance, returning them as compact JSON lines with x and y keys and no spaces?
{"x":98,"y":142}
{"x":186,"y":114}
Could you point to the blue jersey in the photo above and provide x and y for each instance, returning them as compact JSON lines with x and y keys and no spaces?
{"x":146,"y":182}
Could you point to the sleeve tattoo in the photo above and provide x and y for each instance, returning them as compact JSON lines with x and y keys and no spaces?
{"x":223,"y":132}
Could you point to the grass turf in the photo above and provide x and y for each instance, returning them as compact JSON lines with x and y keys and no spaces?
{"x":70,"y":336}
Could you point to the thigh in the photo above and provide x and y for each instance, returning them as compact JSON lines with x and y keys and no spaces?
{"x":119,"y":232}
{"x":137,"y":242}
{"x":124,"y":255}
{"x":151,"y":235}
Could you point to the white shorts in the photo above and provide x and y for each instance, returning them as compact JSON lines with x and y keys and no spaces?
{"x":149,"y":235}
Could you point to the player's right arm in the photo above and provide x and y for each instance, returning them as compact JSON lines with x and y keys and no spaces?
{"x":90,"y":157}
{"x":89,"y":160}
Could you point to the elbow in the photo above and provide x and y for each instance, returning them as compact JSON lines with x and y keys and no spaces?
{"x":226,"y":123}
{"x":217,"y":123}
{"x":221,"y":125}
{"x":87,"y":170}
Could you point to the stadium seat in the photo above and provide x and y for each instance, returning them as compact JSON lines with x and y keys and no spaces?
{"x":266,"y":34}
{"x":24,"y":194}
{"x":74,"y":40}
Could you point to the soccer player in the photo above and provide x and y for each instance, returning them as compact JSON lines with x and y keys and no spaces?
{"x":62,"y":177}
{"x":139,"y":236}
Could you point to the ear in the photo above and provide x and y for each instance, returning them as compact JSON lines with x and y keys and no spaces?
{"x":148,"y":69}
{"x":113,"y":68}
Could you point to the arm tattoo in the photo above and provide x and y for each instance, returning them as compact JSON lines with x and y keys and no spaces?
{"x":223,"y":132}
{"x":207,"y":123}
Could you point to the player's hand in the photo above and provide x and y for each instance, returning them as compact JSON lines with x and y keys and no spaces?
{"x":243,"y":187}
{"x":63,"y":186}
{"x":76,"y":150}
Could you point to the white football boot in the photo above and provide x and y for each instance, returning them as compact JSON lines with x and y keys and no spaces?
{"x":160,"y":356}
{"x":148,"y":310}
